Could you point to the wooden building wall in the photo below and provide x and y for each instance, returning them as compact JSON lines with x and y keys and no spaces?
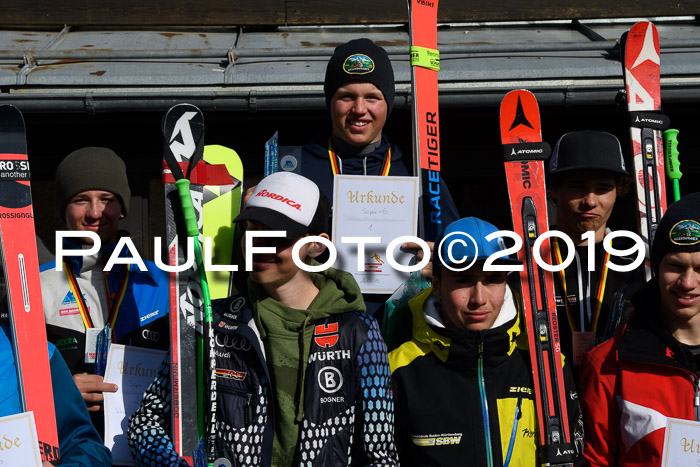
{"x":308,"y":12}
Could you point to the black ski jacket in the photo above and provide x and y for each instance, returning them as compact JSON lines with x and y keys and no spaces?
{"x":348,"y":408}
{"x":463,"y":397}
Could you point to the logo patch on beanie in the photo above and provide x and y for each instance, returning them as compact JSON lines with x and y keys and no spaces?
{"x":358,"y":64}
{"x":685,"y":232}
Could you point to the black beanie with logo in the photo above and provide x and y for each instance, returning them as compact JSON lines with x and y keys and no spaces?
{"x":91,"y":168}
{"x":678,"y":230}
{"x":360,"y":60}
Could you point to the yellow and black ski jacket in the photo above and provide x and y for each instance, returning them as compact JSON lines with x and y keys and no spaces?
{"x":466,"y":397}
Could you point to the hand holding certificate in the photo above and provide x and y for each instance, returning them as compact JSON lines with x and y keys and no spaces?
{"x":132,"y":369}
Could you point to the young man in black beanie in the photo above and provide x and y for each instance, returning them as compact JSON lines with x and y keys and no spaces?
{"x":586,"y":177}
{"x":92,"y":195}
{"x":359,"y":89}
{"x":651,"y":369}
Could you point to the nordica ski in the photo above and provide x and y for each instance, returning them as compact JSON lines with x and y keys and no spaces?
{"x":222,"y":202}
{"x":21,"y":269}
{"x":184,"y":176}
{"x":643,"y":90}
{"x":425,"y":63}
{"x":525,"y":154}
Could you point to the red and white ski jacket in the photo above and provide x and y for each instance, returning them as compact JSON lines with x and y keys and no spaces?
{"x":631,"y":384}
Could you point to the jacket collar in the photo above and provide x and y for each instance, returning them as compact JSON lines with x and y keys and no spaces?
{"x":460,"y":348}
{"x":645,"y":338}
{"x":82,"y":263}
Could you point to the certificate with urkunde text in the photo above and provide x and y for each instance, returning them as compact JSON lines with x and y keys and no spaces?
{"x":132,"y":369}
{"x":369,"y":213}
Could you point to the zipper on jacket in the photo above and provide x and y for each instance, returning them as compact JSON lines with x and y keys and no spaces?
{"x":696,"y":398}
{"x":247,"y":407}
{"x":247,"y":411}
{"x":514,"y":432}
{"x":484,"y":404}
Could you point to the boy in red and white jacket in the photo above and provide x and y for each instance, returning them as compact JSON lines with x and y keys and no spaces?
{"x":650,"y":371}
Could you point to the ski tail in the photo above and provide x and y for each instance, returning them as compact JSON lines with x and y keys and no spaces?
{"x":21,"y":269}
{"x":183,"y":134}
{"x":641,"y":68}
{"x":425,"y":63}
{"x":524,"y":154}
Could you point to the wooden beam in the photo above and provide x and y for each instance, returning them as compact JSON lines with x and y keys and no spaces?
{"x":308,"y":12}
{"x":142,"y":13}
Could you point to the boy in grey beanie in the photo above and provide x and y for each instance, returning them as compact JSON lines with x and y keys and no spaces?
{"x":82,"y":299}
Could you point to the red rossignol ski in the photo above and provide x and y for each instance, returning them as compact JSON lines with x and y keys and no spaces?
{"x":524,"y":154}
{"x":425,"y":63}
{"x":643,"y":89}
{"x":21,"y":268}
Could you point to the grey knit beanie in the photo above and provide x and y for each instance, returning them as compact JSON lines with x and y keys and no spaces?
{"x":91,"y":169}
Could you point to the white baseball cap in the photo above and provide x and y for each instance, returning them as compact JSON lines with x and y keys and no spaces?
{"x":290,"y":202}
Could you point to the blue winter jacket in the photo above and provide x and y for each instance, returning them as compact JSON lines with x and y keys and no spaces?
{"x":78,"y":442}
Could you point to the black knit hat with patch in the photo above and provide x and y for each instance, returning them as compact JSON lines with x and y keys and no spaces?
{"x":678,"y":230}
{"x":360,"y":60}
{"x":91,"y":169}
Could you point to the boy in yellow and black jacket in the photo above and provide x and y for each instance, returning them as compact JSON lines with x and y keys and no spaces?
{"x":463,"y":386}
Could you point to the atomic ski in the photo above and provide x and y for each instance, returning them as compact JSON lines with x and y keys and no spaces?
{"x":524,"y":155}
{"x":21,"y":269}
{"x":425,"y":63}
{"x":643,"y":90}
{"x":185,"y":176}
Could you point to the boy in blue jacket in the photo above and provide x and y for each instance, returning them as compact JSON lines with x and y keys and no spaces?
{"x":78,"y":441}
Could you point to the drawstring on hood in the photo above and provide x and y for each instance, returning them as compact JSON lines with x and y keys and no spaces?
{"x":287,"y":335}
{"x":304,"y":344}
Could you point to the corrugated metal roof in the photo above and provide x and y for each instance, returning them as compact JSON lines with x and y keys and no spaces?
{"x":231,"y":68}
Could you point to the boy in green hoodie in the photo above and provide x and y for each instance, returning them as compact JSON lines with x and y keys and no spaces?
{"x":302,"y":371}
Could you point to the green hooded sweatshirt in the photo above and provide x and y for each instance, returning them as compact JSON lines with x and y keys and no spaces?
{"x":286,"y":335}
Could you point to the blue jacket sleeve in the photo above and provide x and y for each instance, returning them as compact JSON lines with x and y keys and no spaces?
{"x":78,"y":441}
{"x":376,"y":411}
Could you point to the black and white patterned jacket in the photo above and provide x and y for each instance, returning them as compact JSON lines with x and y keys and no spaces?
{"x":348,"y":408}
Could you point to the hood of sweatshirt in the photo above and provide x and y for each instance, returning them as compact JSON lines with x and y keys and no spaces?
{"x":459,"y":347}
{"x":286,"y":335}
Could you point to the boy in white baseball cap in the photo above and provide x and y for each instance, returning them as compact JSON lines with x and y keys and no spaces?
{"x":302,"y":353}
